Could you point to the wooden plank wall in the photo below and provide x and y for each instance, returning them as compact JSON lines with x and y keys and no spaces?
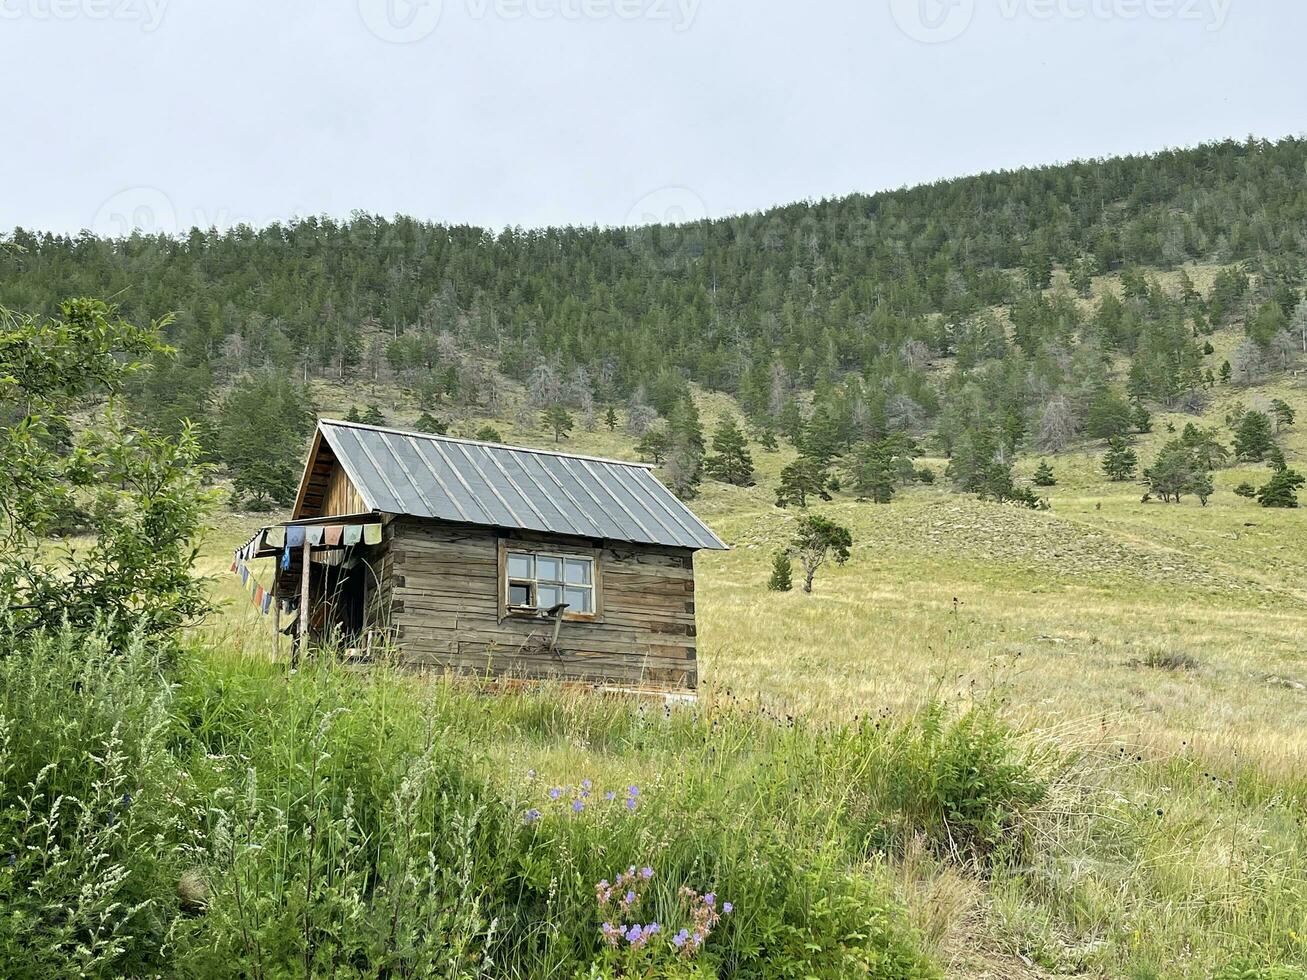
{"x":340,"y":496}
{"x":445,"y":586}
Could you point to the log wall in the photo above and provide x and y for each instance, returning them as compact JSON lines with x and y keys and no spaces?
{"x":441,"y":597}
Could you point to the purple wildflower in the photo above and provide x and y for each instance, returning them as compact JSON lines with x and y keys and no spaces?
{"x":727,"y":908}
{"x":578,"y":806}
{"x":630,"y":803}
{"x":633,"y":791}
{"x":710,"y":899}
{"x":630,"y":897}
{"x":532,"y":815}
{"x":610,"y":795}
{"x":586,"y":784}
{"x":680,"y":938}
{"x":646,"y":873}
{"x":555,"y":793}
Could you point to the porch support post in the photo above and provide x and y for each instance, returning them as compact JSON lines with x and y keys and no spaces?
{"x":304,"y":599}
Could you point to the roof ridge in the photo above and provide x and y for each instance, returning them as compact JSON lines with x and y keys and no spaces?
{"x":478,"y":442}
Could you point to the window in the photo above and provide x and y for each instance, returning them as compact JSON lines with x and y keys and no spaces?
{"x":537,"y":581}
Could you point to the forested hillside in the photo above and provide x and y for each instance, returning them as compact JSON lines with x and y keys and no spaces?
{"x":961,"y":315}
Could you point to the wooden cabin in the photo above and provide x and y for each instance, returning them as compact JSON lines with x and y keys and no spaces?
{"x":489,"y":559}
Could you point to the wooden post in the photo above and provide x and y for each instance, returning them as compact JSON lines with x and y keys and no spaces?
{"x":276,"y":611}
{"x":304,"y":599}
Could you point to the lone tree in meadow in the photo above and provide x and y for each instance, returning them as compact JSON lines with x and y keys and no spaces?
{"x":559,"y":419}
{"x":1044,"y":476}
{"x":1120,"y":461}
{"x":1176,"y":472}
{"x":1253,"y":437}
{"x":731,"y":462}
{"x":800,"y":480}
{"x":767,"y":439}
{"x":373,"y":415}
{"x":781,"y":579}
{"x":817,"y":539}
{"x":1282,"y":489}
{"x":610,"y":418}
{"x":654,"y":444}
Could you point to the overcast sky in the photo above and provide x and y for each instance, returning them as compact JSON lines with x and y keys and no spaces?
{"x":169,"y":113}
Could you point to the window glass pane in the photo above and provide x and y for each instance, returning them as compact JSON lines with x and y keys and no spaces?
{"x":519,"y":595}
{"x":519,"y":566}
{"x":549,"y":568}
{"x":578,"y":571}
{"x":549,"y":595}
{"x":578,"y":600}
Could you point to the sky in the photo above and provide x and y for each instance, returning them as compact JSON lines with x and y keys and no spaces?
{"x":163,"y":114}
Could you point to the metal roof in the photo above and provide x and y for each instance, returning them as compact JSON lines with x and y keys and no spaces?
{"x":422,"y":475}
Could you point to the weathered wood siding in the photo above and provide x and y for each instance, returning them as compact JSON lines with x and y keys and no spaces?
{"x":340,"y":497}
{"x":443,"y":598}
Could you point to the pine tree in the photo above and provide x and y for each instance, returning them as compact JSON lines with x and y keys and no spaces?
{"x":781,"y":579}
{"x":429,"y":423}
{"x":877,"y":467}
{"x":802,"y":479}
{"x":1109,"y":415}
{"x":353,"y":414}
{"x":767,"y":439}
{"x":373,"y":415}
{"x":1177,"y":472}
{"x":488,"y":433}
{"x":1044,"y":475}
{"x":1253,"y":438}
{"x":1120,"y":461}
{"x":559,"y":419}
{"x":732,"y":462}
{"x":610,"y":418}
{"x":1141,"y":420}
{"x":1226,"y":372}
{"x":1283,"y":413}
{"x":654,"y":444}
{"x":1281,"y":490}
{"x":816,"y":539}
{"x":684,"y":468}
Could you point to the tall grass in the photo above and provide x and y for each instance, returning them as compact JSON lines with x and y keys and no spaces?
{"x":224,"y":819}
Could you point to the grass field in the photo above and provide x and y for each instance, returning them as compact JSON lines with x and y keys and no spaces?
{"x":1157,"y":649}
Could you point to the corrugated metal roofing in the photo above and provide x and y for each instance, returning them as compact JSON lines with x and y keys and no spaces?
{"x":423,"y":475}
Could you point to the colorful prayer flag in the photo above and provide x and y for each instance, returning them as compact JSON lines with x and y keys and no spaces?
{"x":372,"y":534}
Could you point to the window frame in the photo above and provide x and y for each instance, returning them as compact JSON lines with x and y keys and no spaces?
{"x":549,"y":549}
